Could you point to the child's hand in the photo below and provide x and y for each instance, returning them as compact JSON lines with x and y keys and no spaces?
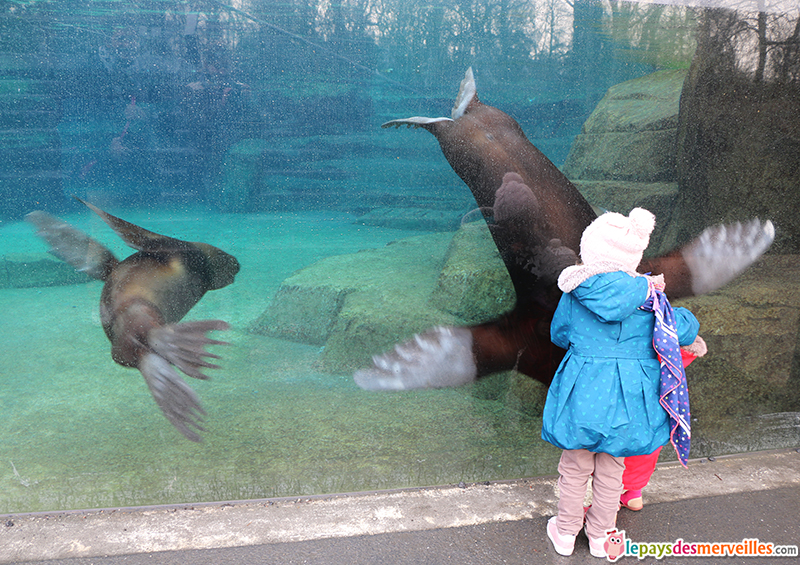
{"x":657,"y":281}
{"x":698,"y":347}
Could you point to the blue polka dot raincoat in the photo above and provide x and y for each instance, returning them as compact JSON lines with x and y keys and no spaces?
{"x":605,"y":394}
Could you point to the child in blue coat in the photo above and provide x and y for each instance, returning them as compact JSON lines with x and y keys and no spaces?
{"x":603,"y":404}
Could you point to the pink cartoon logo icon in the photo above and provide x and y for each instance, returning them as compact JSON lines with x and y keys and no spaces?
{"x":614,"y":544}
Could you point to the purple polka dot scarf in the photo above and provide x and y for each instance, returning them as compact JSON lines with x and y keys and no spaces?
{"x":674,"y":394}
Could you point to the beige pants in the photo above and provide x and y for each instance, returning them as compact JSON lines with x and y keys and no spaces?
{"x":575,"y":467}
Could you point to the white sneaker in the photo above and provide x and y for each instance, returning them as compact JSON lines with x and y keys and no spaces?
{"x":596,"y":545}
{"x":564,"y":545}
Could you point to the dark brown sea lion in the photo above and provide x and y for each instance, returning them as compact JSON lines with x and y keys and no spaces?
{"x":536,"y":217}
{"x":144,"y":298}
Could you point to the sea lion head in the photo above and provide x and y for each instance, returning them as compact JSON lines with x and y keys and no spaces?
{"x":222,"y":266}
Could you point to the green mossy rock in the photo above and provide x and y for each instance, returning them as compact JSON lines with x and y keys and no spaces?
{"x":626,"y":153}
{"x":359,"y":304}
{"x":303,"y":313}
{"x":516,"y":391}
{"x":473,"y":283}
{"x":364,"y":303}
{"x":632,"y":133}
{"x":753,"y":322}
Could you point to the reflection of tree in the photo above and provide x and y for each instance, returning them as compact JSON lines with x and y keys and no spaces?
{"x":462,"y":31}
{"x":762,"y":46}
{"x":740,"y":135}
{"x":664,"y":33}
{"x":778,"y":47}
{"x":425,"y":36}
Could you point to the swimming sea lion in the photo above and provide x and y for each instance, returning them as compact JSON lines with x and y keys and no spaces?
{"x":143,"y":298}
{"x":536,"y":217}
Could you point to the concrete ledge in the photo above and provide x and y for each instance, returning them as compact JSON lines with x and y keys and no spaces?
{"x":93,"y":533}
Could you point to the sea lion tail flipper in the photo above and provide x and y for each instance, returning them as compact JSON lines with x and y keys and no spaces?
{"x":184,"y":344}
{"x":179,"y":403}
{"x":439,"y":357}
{"x":467,"y":93}
{"x":415,"y":122}
{"x":72,"y":246}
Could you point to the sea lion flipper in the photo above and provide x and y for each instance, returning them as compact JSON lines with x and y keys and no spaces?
{"x":439,"y":357}
{"x":712,"y":259}
{"x":416,"y":122}
{"x":467,"y":94}
{"x":181,"y":346}
{"x":533,"y":261}
{"x":138,"y":237}
{"x":72,"y":246}
{"x":179,"y":403}
{"x":722,"y":252}
{"x":184,"y":344}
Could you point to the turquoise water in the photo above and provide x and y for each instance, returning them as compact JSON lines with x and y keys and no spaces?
{"x":255,"y":127}
{"x":80,"y":431}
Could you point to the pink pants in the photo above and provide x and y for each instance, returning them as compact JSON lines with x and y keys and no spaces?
{"x":638,"y":470}
{"x":575,"y":468}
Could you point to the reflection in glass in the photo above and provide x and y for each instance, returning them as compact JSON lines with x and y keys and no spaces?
{"x":255,"y":126}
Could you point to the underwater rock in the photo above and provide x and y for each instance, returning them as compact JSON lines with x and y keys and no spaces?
{"x":473,"y":283}
{"x":364,"y":302}
{"x":28,"y":270}
{"x":714,"y":400}
{"x":631,"y":134}
{"x":361,"y":330}
{"x":745,"y":393}
{"x":625,"y":155}
{"x":423,"y":219}
{"x":302,"y":312}
{"x":517,"y":392}
{"x":359,"y":302}
{"x":750,"y":416}
{"x":753,"y":322}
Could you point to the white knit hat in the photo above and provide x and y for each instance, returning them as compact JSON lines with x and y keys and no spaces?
{"x":619,"y":239}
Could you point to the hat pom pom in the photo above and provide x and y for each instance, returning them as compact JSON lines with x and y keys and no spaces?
{"x":642,"y":221}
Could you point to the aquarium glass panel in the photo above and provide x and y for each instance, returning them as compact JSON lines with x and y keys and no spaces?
{"x":203,"y":188}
